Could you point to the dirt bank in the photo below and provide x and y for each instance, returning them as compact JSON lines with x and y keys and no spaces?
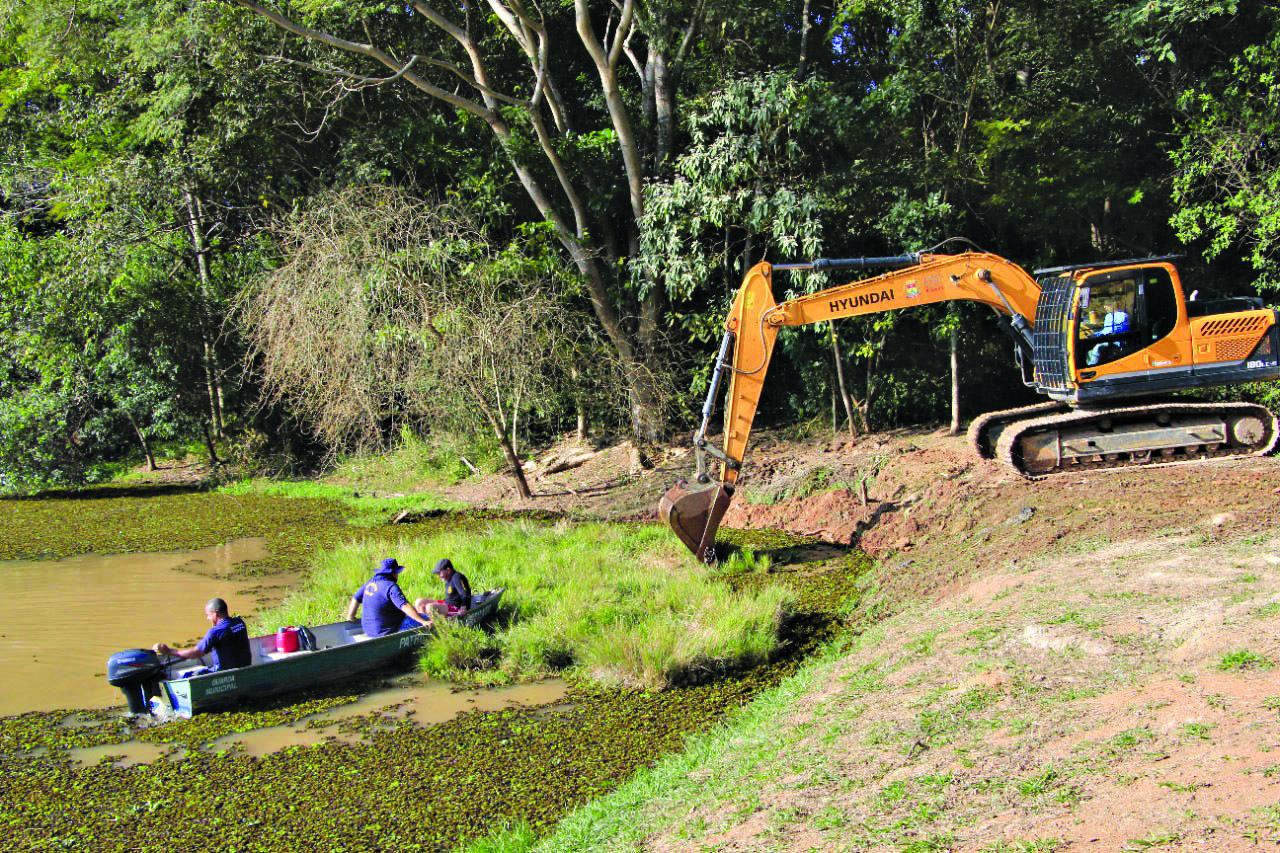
{"x":934,"y":513}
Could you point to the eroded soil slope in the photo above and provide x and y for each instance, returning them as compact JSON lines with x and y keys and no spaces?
{"x":1124,"y":698}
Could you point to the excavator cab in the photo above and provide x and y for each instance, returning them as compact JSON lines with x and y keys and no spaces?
{"x":1128,"y":329}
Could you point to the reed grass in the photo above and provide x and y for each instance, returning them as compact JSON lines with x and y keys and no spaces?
{"x":621,"y":605}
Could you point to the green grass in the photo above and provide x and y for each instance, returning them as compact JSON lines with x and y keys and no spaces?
{"x":1040,"y":783}
{"x":619,"y":605}
{"x":437,"y":461}
{"x":744,"y":561}
{"x":1155,"y":839}
{"x":369,"y":510}
{"x":1037,"y":845}
{"x":515,"y":838}
{"x":1244,"y":659}
{"x":1195,"y":731}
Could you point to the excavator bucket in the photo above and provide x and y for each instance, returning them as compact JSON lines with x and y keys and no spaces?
{"x":694,"y":513}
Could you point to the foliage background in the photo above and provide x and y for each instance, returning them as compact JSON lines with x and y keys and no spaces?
{"x":152,"y":151}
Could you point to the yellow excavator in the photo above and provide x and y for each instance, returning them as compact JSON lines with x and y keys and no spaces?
{"x":1105,"y":342}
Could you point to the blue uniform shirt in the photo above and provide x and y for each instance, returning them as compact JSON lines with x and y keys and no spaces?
{"x":457,"y":591}
{"x":228,"y":643}
{"x":1115,"y":323}
{"x":381,"y":599}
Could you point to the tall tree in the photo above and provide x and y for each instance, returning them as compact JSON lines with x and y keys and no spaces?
{"x":582,"y":100}
{"x":135,"y":148}
{"x":1227,"y":164}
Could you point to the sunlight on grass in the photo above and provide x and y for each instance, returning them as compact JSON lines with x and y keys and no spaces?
{"x":442,"y":460}
{"x":369,"y":511}
{"x":620,"y":605}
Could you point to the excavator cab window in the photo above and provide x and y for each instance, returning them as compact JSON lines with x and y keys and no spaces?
{"x":1122,"y":312}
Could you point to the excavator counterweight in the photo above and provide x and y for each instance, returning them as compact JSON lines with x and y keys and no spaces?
{"x":1105,"y":342}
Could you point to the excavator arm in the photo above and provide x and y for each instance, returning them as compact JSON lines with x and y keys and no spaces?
{"x":695,"y":510}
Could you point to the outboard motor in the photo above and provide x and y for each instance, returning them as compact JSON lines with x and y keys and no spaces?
{"x":137,"y":672}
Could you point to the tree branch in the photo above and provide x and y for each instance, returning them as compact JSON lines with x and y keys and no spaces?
{"x":606,"y":67}
{"x":373,"y":53}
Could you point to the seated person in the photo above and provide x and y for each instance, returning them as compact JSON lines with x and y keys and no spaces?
{"x":227,"y":642}
{"x":1116,"y":322}
{"x":457,"y":592}
{"x":386,"y":610}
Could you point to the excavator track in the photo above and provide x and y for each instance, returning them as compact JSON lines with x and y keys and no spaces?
{"x":1133,"y":436}
{"x":984,"y":430}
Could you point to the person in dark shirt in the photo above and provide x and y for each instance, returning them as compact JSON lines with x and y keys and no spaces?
{"x":386,"y":610}
{"x":457,"y":592}
{"x":227,"y":642}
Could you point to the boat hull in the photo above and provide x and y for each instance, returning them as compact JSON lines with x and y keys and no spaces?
{"x":343,"y":652}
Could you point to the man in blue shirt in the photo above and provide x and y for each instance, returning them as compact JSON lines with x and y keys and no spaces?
{"x":227,"y":642}
{"x":1116,"y":322}
{"x":386,"y":609}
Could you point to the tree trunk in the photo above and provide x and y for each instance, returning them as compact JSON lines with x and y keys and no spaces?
{"x":142,"y":440}
{"x":870,"y":389}
{"x":806,"y":24}
{"x":835,"y":415}
{"x":955,"y":382}
{"x":579,"y":406}
{"x":209,"y":445}
{"x":664,"y":110}
{"x":515,"y":423}
{"x":195,"y":229}
{"x":840,"y":383}
{"x":513,"y":461}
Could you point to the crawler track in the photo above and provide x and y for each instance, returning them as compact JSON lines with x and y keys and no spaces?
{"x":985,"y":430}
{"x":1020,"y":444}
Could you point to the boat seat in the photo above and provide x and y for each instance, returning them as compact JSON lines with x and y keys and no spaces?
{"x":359,"y":637}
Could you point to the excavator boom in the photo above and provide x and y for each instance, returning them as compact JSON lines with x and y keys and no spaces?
{"x":695,"y":509}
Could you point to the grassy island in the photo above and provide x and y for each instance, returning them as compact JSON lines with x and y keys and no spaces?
{"x":616,"y":604}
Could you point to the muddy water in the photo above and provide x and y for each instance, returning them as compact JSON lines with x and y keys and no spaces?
{"x":61,"y":619}
{"x":129,"y":754}
{"x":412,"y":697}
